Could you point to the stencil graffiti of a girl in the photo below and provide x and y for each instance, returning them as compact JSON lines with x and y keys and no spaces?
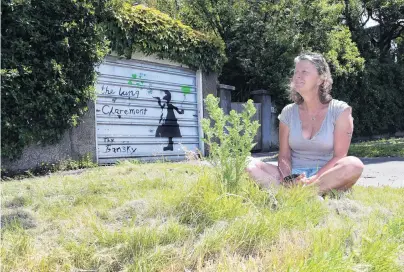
{"x":168,"y":126}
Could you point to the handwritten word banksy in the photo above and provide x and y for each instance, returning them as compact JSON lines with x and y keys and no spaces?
{"x":120,"y":149}
{"x":111,"y":110}
{"x":110,"y":91}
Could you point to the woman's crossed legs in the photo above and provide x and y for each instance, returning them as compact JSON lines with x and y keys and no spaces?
{"x":342,"y":176}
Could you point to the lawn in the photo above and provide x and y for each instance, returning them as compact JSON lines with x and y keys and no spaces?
{"x":393,"y":147}
{"x":175,"y":217}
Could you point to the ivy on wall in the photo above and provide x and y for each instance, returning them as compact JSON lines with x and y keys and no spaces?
{"x":146,"y":30}
{"x":49,"y":50}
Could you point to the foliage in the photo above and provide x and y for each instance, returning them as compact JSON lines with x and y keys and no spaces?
{"x":229,"y":140}
{"x":280,"y":30}
{"x":280,"y":33}
{"x":380,"y":107}
{"x":377,"y":40}
{"x":141,"y":29}
{"x":49,"y":53}
{"x":169,"y":7}
{"x":377,"y":93}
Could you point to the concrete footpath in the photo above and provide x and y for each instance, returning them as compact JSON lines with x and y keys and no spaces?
{"x":378,"y":171}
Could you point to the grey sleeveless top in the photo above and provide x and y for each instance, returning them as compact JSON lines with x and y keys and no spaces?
{"x":317,"y":151}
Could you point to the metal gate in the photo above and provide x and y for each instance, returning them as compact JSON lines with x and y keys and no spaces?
{"x":146,"y":110}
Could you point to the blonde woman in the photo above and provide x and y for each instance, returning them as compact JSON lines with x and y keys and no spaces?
{"x":314,"y":133}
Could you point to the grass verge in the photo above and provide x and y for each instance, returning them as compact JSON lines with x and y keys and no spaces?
{"x":393,"y":147}
{"x":174,"y":216}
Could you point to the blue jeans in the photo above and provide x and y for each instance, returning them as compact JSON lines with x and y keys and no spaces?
{"x":309,"y":171}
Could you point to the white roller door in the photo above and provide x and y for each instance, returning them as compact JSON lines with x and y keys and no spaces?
{"x":146,"y":111}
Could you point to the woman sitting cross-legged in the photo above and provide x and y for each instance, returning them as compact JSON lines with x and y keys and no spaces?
{"x":314,"y":133}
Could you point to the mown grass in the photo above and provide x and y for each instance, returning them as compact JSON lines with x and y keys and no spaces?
{"x":393,"y":147}
{"x":175,"y":217}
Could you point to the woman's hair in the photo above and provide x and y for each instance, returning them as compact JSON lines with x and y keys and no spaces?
{"x":323,"y":70}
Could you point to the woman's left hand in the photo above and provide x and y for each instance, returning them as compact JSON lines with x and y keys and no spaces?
{"x":310,"y":180}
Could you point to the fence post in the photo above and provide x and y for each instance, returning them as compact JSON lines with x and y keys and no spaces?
{"x":224,"y":93}
{"x":263,"y":97}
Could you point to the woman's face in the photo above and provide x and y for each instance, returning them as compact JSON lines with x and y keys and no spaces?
{"x":306,"y":78}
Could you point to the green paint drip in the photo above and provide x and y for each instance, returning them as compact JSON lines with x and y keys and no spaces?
{"x":130,"y":82}
{"x":134,"y":76}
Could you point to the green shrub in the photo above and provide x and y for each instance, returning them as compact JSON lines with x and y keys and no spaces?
{"x":229,"y":140}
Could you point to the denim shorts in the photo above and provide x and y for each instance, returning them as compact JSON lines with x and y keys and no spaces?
{"x":309,"y":171}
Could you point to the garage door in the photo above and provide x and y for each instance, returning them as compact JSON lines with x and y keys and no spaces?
{"x":146,"y":111}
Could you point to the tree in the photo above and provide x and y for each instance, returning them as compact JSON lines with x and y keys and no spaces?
{"x":377,"y":93}
{"x":378,"y":39}
{"x":263,"y":37}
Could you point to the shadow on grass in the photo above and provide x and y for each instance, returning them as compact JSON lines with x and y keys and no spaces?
{"x":19,"y":218}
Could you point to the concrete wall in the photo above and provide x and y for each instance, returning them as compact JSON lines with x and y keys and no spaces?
{"x":274,"y":142}
{"x":209,"y":86}
{"x":267,"y":136}
{"x":224,"y":94}
{"x":75,"y":143}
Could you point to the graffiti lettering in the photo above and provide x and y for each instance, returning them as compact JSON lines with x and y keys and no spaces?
{"x":130,"y":93}
{"x":108,"y":140}
{"x":107,"y":90}
{"x":110,"y":110}
{"x":120,"y":149}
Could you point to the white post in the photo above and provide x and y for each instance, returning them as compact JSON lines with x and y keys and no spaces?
{"x":96,"y":132}
{"x":200,"y":110}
